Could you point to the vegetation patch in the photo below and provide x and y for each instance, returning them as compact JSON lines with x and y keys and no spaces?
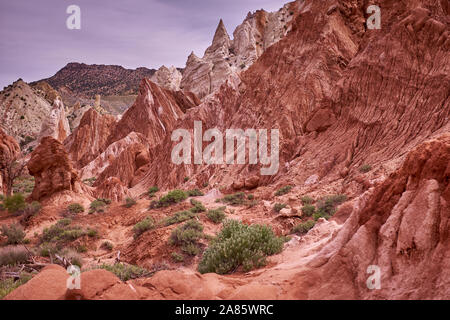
{"x":279,"y":206}
{"x":13,"y":255}
{"x":63,"y":232}
{"x":198,"y":206}
{"x":107,"y":245}
{"x":240,"y":245}
{"x":307,"y":200}
{"x":365,"y":168}
{"x":23,"y":184}
{"x":216,"y":215}
{"x":178,"y":217}
{"x":75,"y":208}
{"x":284,"y":190}
{"x":308,"y":210}
{"x":129,"y":202}
{"x":327,"y":205}
{"x":194,"y":193}
{"x":99,"y":205}
{"x":171,"y":198}
{"x":151,"y":191}
{"x":10,"y":284}
{"x":143,"y":226}
{"x":90,"y":182}
{"x":304,"y":227}
{"x":14,"y":234}
{"x":187,"y":236}
{"x":236,"y":199}
{"x":126,"y":272}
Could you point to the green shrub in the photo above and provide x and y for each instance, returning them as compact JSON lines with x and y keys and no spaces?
{"x":142,"y":226}
{"x":308,"y":210}
{"x":365,"y":168}
{"x":10,"y":284}
{"x":307,"y":200}
{"x":198,"y":206}
{"x":2,"y":207}
{"x":236,"y":199}
{"x":239,"y":245}
{"x":47,"y":249}
{"x":92,"y":233}
{"x":327,"y":205}
{"x":13,"y":255}
{"x":23,"y":184}
{"x":126,"y":272}
{"x":186,"y":179}
{"x":72,"y":256}
{"x":81,"y":248}
{"x":178,"y":217}
{"x":105,"y":200}
{"x":15,"y":204}
{"x":173,"y":197}
{"x":177,"y":257}
{"x":151,"y":192}
{"x":90,"y":182}
{"x":75,"y":208}
{"x":187,"y":236}
{"x":216,"y":215}
{"x":14,"y":234}
{"x":62,"y":232}
{"x":304,"y":227}
{"x":106,"y":245}
{"x":250,"y":197}
{"x":283,"y":191}
{"x":97,"y":205}
{"x":194,"y":193}
{"x":278,"y":206}
{"x":129,"y":202}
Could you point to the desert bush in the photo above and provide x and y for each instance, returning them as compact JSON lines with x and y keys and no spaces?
{"x":13,"y":255}
{"x":15,"y":204}
{"x":187,"y":236}
{"x":10,"y":284}
{"x":198,"y":206}
{"x":46,"y":249}
{"x":178,"y":217}
{"x":216,"y":215}
{"x":304,"y":227}
{"x":92,"y":233}
{"x":14,"y":234}
{"x":172,"y":197}
{"x":308,"y":210}
{"x":90,"y":182}
{"x":239,"y":245}
{"x":105,"y":200}
{"x":72,"y":256}
{"x":97,"y":206}
{"x":75,"y":208}
{"x":142,"y":226}
{"x":62,"y":232}
{"x":186,"y":179}
{"x":177,"y":257}
{"x":106,"y":245}
{"x":194,"y":193}
{"x":152,"y":190}
{"x":327,"y":205}
{"x":129,"y":202}
{"x":278,"y":207}
{"x":307,"y":200}
{"x":235,"y":199}
{"x":365,"y":168}
{"x":284,"y":190}
{"x":126,"y":272}
{"x":250,"y":197}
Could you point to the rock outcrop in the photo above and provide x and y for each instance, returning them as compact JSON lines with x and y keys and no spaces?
{"x":9,"y":150}
{"x":56,"y":124}
{"x":402,"y":228}
{"x":226,"y":58}
{"x":88,"y":140}
{"x":52,"y":170}
{"x":168,"y":78}
{"x":22,"y":111}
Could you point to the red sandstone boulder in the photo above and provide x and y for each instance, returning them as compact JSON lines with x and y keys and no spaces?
{"x":9,"y":150}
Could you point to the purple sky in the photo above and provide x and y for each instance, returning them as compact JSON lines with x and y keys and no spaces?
{"x":35,"y":43}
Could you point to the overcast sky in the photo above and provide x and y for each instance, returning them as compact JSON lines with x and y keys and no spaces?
{"x":35,"y":42}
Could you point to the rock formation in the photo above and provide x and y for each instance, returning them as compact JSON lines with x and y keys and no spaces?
{"x":22,"y":111}
{"x":9,"y":150}
{"x":56,"y":124}
{"x":226,"y":57}
{"x":168,"y":78}
{"x":52,"y":170}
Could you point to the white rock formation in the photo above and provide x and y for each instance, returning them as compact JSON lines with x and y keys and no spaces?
{"x":56,"y":124}
{"x":226,"y":57}
{"x":169,"y":78}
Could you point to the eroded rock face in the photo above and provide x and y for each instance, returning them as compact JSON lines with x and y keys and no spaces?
{"x":154,"y":113}
{"x":9,"y":150}
{"x":52,"y":169}
{"x":112,"y":188}
{"x":168,"y":78}
{"x":402,"y":227}
{"x":89,"y":139}
{"x":56,"y":124}
{"x":226,"y":58}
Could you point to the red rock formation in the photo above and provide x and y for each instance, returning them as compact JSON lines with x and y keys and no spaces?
{"x":402,"y":227}
{"x":52,"y":170}
{"x":89,"y":139}
{"x":112,"y":188}
{"x":9,"y":150}
{"x":153,"y":114}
